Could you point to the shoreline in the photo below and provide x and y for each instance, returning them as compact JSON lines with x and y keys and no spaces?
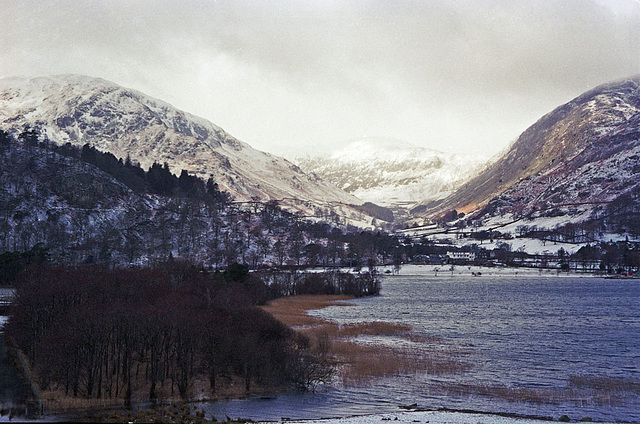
{"x":293,"y":315}
{"x":441,"y":416}
{"x":354,"y":362}
{"x":444,"y":270}
{"x":293,"y":310}
{"x":310,"y":325}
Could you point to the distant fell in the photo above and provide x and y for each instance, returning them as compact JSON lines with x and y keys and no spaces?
{"x":391,"y":172}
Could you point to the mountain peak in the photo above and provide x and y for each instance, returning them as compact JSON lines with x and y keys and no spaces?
{"x":378,"y":149}
{"x":80,"y":110}
{"x":391,"y":172}
{"x":595,"y":126}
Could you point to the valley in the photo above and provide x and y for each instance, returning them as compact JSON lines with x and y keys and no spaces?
{"x":393,"y":173}
{"x":320,"y":211}
{"x":105,"y":181}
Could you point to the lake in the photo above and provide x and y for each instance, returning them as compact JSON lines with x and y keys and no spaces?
{"x":542,"y":345}
{"x":6,"y":295}
{"x":12,"y":390}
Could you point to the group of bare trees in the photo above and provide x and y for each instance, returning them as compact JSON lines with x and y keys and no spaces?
{"x":136,"y":334}
{"x":287,"y":283}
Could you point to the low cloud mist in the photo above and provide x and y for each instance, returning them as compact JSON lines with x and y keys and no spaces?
{"x":297,"y":77}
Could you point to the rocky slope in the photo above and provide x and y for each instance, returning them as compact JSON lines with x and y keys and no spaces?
{"x":584,"y":152}
{"x":78,"y":109}
{"x":393,"y":173}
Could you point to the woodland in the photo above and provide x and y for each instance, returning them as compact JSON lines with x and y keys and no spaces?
{"x":155,"y":333}
{"x":140,"y":285}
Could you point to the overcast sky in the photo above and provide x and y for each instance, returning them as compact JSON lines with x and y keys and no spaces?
{"x":302,"y":77}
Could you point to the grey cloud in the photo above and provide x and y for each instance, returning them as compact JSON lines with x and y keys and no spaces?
{"x":425,"y":71}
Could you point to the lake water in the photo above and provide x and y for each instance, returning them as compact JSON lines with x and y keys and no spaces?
{"x":523,"y":337}
{"x":12,"y":390}
{"x":6,"y":295}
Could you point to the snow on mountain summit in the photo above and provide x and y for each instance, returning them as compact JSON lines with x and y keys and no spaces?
{"x":67,"y":97}
{"x":78,"y":109}
{"x":375,"y":148}
{"x":391,"y":172}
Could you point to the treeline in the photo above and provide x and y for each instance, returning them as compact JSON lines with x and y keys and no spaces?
{"x":612,"y":257}
{"x":158,"y":179}
{"x":621,"y":215}
{"x":153,"y":333}
{"x":85,"y":206}
{"x":12,"y":263}
{"x":282,"y":283}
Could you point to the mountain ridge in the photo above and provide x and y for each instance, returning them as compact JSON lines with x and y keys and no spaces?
{"x":85,"y":110}
{"x":548,"y":145}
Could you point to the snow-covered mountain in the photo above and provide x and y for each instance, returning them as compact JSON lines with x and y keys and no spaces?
{"x":79,"y":109}
{"x":393,"y":173}
{"x":579,"y":159}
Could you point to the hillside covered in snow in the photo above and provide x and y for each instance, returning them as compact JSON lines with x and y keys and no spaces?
{"x":390,"y":172}
{"x":83,"y":206}
{"x":583,"y":159}
{"x":83,"y":110}
{"x":571,"y":181}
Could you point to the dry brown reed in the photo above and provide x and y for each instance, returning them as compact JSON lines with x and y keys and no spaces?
{"x":357,"y":362}
{"x":512,"y":394}
{"x":605,"y":383}
{"x":581,"y":390}
{"x":228,"y":387}
{"x":57,"y":401}
{"x":336,"y":331}
{"x":375,"y":328}
{"x":292,"y":310}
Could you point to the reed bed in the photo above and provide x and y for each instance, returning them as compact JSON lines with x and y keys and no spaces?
{"x":512,"y":394}
{"x":374,"y":328}
{"x":580,"y":390}
{"x":357,"y":362}
{"x":292,"y":310}
{"x":56,"y":400}
{"x":360,"y":362}
{"x":228,"y":387}
{"x":605,"y":383}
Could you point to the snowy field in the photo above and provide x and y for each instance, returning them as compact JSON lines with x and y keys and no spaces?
{"x":508,"y":224}
{"x":431,"y":417}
